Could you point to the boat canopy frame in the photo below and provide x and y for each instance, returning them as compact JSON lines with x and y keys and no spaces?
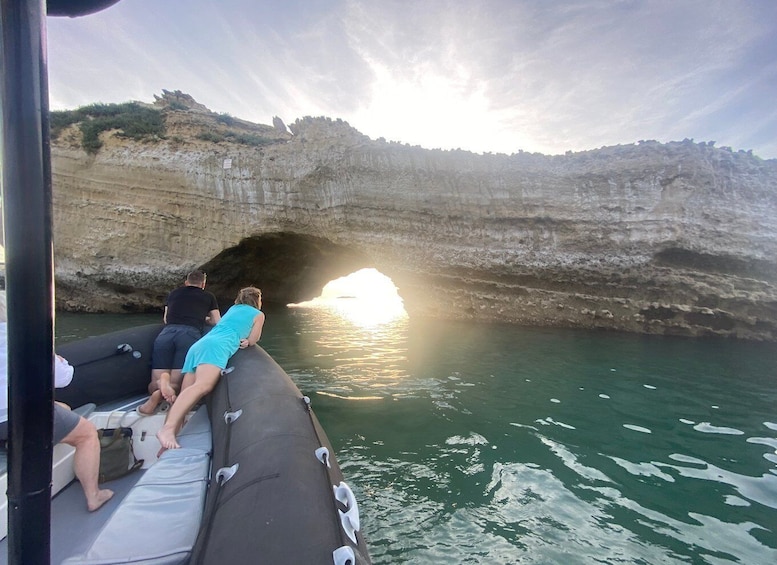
{"x":29,"y":280}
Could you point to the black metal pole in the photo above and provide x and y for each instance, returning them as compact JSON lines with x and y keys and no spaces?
{"x":26,"y":185}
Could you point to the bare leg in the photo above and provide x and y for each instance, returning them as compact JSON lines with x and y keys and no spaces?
{"x":165,"y":383}
{"x":175,"y":378}
{"x":205,"y":378}
{"x":168,"y":392}
{"x":87,"y":463}
{"x":149,"y":406}
{"x":154,"y":384}
{"x":188,"y":380}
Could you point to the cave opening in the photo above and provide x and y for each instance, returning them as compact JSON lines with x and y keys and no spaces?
{"x":365,"y":298}
{"x":305,"y":271}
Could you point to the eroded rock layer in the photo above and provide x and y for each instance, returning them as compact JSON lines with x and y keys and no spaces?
{"x":677,"y":238}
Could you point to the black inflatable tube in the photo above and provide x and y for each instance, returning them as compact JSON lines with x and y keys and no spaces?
{"x":109,"y":367}
{"x":279,"y":506}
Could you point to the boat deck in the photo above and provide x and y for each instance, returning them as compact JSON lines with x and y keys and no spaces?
{"x":72,"y":523}
{"x":73,"y":527}
{"x":262,"y":474}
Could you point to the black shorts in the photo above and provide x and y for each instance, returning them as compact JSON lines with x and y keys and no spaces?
{"x":171,"y":346}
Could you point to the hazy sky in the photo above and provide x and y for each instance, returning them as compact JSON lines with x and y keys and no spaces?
{"x":482,"y":75}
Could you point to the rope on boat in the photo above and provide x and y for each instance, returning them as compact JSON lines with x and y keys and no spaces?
{"x":342,"y":494}
{"x":203,"y":536}
{"x":121,"y":349}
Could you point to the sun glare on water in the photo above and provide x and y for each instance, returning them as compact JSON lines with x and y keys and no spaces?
{"x":365,"y":298}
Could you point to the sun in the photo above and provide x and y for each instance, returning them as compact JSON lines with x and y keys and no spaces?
{"x":366,"y":298}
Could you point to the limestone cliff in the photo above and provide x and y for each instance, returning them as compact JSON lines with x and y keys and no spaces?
{"x":677,"y":238}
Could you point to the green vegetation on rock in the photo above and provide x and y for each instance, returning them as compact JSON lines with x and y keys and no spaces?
{"x":241,"y":138}
{"x":131,"y":119}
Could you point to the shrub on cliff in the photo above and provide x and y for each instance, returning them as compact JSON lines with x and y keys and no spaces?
{"x":241,"y":138}
{"x":225,"y":119}
{"x":248,"y":139}
{"x":180,"y":106}
{"x":211,"y":136}
{"x":131,"y":119}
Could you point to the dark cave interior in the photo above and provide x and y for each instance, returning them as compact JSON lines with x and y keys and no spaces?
{"x":288,"y":267}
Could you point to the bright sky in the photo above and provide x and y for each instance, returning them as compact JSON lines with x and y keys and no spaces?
{"x":480,"y":75}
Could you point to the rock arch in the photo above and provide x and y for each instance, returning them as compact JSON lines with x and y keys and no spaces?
{"x":288,"y":267}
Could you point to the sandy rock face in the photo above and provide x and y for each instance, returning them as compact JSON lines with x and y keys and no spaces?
{"x":676,"y":238}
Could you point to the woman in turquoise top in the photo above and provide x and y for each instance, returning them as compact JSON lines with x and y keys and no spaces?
{"x":239,"y":328}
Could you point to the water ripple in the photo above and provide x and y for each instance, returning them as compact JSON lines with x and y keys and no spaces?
{"x":644,"y":469}
{"x":762,"y":490}
{"x":639,"y":429}
{"x":708,"y":428}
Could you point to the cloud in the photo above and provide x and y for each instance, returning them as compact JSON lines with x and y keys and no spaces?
{"x":495,"y":75}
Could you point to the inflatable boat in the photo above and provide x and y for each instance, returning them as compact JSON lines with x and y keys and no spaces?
{"x":255,"y":481}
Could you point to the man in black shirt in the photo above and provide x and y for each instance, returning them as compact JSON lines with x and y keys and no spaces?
{"x":187,"y":309}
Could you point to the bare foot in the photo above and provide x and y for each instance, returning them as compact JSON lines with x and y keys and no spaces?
{"x":168,"y":392}
{"x":166,"y":437}
{"x":149,"y":406}
{"x":103,"y":496}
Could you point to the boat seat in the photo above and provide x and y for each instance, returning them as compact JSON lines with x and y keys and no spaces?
{"x":157,"y":523}
{"x":60,"y":478}
{"x":85,"y":410}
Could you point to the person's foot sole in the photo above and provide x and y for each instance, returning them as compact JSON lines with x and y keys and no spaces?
{"x":168,"y":392}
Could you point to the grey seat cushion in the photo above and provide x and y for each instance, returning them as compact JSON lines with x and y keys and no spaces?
{"x":157,"y":523}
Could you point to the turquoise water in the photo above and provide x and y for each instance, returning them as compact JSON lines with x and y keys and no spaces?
{"x":470,"y":443}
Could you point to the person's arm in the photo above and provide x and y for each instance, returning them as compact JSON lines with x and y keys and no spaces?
{"x":256,"y":332}
{"x":213,"y":317}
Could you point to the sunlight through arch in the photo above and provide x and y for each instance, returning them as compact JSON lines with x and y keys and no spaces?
{"x":366,"y":298}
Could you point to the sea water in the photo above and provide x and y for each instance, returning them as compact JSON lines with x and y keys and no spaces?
{"x":478,"y":443}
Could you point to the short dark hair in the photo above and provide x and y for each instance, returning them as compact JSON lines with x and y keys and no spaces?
{"x":196,"y":277}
